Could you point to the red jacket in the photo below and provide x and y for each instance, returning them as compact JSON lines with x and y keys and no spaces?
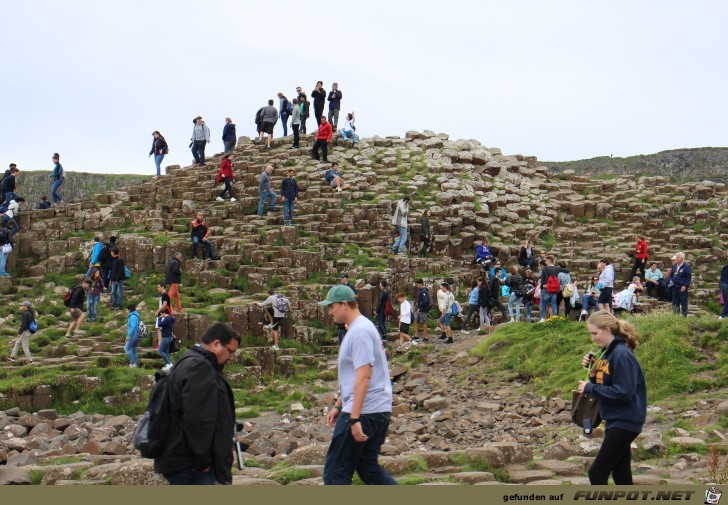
{"x":325,"y":132}
{"x":226,"y":169}
{"x":641,"y":250}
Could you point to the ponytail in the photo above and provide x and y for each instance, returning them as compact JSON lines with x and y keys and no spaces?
{"x":619,"y":328}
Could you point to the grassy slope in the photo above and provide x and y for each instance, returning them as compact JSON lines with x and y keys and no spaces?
{"x":678,"y":356}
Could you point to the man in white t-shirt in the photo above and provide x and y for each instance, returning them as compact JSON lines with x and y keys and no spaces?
{"x":362,"y":412}
{"x":405,"y":319}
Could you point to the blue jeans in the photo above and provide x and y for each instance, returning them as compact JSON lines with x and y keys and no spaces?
{"x":288,"y":206}
{"x":158,"y":162}
{"x":514,"y":300}
{"x":10,"y":220}
{"x":3,"y":261}
{"x":196,"y":242}
{"x":284,"y":123}
{"x":264,"y":195}
{"x":92,"y":306}
{"x":190,"y":477}
{"x":382,"y":324}
{"x":117,"y":293}
{"x":528,"y":307}
{"x":349,"y":134}
{"x":164,"y":350}
{"x":680,"y":301}
{"x":10,"y":195}
{"x":55,"y":197}
{"x":346,"y":456}
{"x":588,"y":301}
{"x":546,"y":299}
{"x":131,"y":348}
{"x":400,"y":245}
{"x":723,"y":291}
{"x":528,"y":262}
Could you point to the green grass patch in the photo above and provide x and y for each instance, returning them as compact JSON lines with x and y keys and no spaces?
{"x":36,"y":477}
{"x":469,"y":464}
{"x":288,"y":475}
{"x":549,"y":356}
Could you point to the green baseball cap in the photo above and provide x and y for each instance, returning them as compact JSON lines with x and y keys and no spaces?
{"x":338,"y":294}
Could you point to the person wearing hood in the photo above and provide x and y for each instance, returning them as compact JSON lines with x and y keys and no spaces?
{"x":229,"y":137}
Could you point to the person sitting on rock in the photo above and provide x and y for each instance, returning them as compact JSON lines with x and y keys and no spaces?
{"x":199,"y":233}
{"x":348,"y":131}
{"x":525,"y":256}
{"x":483,"y":256}
{"x":333,"y":176}
{"x":653,"y":275}
{"x":590,"y":297}
{"x":44,"y":203}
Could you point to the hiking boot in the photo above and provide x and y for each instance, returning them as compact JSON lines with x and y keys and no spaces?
{"x":449,"y":341}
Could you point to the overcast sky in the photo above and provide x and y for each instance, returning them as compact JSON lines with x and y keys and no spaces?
{"x":560,"y":80}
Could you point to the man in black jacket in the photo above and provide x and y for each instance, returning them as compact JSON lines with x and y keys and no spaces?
{"x":105,"y":260}
{"x":202,"y":409}
{"x":495,"y":294}
{"x":173,"y":278}
{"x":116,"y":278}
{"x":319,"y":100}
{"x":75,"y":307}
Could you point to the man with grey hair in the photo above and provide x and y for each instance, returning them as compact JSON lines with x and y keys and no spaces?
{"x":265,"y":192}
{"x":173,"y":278}
{"x":334,"y":105}
{"x":681,"y":277}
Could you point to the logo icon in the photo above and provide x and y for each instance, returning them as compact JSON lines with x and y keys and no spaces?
{"x":712,"y":496}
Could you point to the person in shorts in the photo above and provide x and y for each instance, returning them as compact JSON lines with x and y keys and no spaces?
{"x":405,"y":319}
{"x":276,"y":317}
{"x":75,"y":307}
{"x":445,"y":299}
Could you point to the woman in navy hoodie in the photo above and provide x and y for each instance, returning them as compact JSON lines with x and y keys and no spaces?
{"x":616,"y":380}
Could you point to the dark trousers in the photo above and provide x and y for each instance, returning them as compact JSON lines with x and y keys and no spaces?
{"x":196,"y":242}
{"x":228,"y":188}
{"x":679,"y":301}
{"x":724,"y":292}
{"x":471,"y":310}
{"x":614,"y":457}
{"x":303,"y":124}
{"x":346,"y":456}
{"x":498,"y":304}
{"x":317,"y":113}
{"x":284,"y":123}
{"x":198,"y":151}
{"x":382,"y":324}
{"x":426,"y":246}
{"x":190,"y":477}
{"x":638,"y":265}
{"x":296,"y":137}
{"x":320,"y":143}
{"x":529,"y":262}
{"x":567,"y":303}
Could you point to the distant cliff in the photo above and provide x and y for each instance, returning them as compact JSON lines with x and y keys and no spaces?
{"x":704,"y":163}
{"x":78,"y":185}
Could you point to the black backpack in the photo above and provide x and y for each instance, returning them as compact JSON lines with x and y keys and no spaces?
{"x":258,"y":119}
{"x":104,"y":255}
{"x":424,"y":300}
{"x":155,"y":426}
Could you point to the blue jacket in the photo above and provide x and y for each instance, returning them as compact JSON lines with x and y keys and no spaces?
{"x":473,"y":298}
{"x":167,"y":326}
{"x":98,"y":247}
{"x":334,"y":99}
{"x":228,"y":132}
{"x":683,"y":276}
{"x":482,"y":252}
{"x":133,"y":324}
{"x":289,"y":188}
{"x":620,"y":387}
{"x":57,"y":171}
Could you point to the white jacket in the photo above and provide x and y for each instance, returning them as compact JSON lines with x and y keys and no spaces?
{"x":400,"y":214}
{"x":12,"y":209}
{"x":445,"y":301}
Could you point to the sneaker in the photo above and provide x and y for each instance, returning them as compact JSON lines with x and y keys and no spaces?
{"x":233,"y":199}
{"x":268,"y":327}
{"x":442,"y":337}
{"x":720,"y":317}
{"x":425,"y":341}
{"x":275,"y":348}
{"x":28,"y":361}
{"x":11,"y":359}
{"x":167,"y":367}
{"x":156,"y":347}
{"x":219,"y":199}
{"x":449,"y":341}
{"x":414,"y":342}
{"x":542,"y":320}
{"x":584,"y":312}
{"x":464,"y":332}
{"x":132,"y":365}
{"x":338,"y":189}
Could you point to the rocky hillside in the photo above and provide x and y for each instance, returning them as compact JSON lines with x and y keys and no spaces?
{"x":705,"y":163}
{"x":473,"y":191}
{"x":77,"y":187}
